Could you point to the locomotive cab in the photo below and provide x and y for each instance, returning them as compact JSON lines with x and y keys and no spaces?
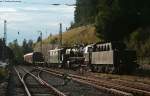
{"x":87,"y":54}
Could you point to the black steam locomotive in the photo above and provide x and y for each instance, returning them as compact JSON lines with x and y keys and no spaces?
{"x":66,"y":58}
{"x":110,"y":57}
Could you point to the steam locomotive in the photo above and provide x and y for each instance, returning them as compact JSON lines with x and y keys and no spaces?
{"x":112,"y":57}
{"x":108,"y":57}
{"x":65,"y":58}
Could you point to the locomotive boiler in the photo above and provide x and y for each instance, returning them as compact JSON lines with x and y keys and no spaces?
{"x":65,"y":58}
{"x":112,"y":57}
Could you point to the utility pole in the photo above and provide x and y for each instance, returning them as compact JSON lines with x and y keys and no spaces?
{"x":41,"y":40}
{"x":60,"y":44}
{"x":4,"y":41}
{"x":5,"y":32}
{"x":60,"y":35}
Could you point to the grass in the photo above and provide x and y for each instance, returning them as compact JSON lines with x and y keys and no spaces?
{"x":3,"y":74}
{"x":82,"y":35}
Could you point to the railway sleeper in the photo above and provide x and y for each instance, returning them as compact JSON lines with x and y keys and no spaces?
{"x":110,"y":85}
{"x":102,"y":88}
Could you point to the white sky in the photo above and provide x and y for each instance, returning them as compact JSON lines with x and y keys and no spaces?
{"x":30,"y":16}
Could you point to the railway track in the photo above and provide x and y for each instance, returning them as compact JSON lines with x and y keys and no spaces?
{"x":138,"y":87}
{"x":33,"y":85}
{"x":82,"y":80}
{"x":72,"y":88}
{"x":119,"y":87}
{"x":35,"y":79}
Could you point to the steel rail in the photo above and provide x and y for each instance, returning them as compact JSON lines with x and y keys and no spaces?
{"x":44,"y":83}
{"x":109,"y":85}
{"x":48,"y":85}
{"x":23,"y":82}
{"x":84,"y":81}
{"x":136,"y":85}
{"x":115,"y":86}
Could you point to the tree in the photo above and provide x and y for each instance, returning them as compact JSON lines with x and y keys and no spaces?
{"x":25,"y":46}
{"x":30,"y":46}
{"x":85,"y":12}
{"x":118,"y":18}
{"x":39,"y":39}
{"x":17,"y":51}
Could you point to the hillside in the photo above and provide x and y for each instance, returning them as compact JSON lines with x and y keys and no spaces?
{"x":84,"y":34}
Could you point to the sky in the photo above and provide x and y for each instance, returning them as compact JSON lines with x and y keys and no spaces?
{"x":28,"y":17}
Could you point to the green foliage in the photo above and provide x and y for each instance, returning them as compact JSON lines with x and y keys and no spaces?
{"x":39,"y":39}
{"x":114,"y":19}
{"x":27,"y":46}
{"x":140,"y":41}
{"x":54,"y":40}
{"x":3,"y":74}
{"x":19,"y":51}
{"x":125,"y":17}
{"x":85,"y":12}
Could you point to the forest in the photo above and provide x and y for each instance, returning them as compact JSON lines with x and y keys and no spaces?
{"x":20,"y":50}
{"x":118,"y":20}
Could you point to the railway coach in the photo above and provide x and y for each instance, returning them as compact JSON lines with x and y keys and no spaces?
{"x":111,"y":57}
{"x":35,"y":58}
